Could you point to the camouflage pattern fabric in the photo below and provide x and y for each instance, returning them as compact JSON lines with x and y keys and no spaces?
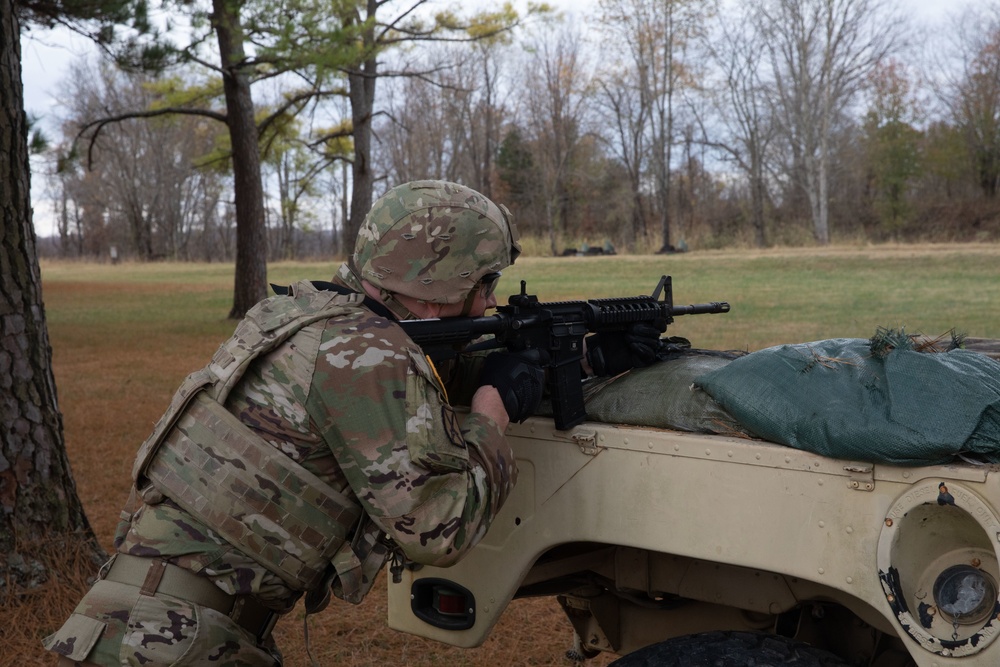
{"x":354,"y":401}
{"x":433,"y":240}
{"x":115,"y":625}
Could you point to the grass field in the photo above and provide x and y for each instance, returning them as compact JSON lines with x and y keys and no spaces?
{"x":124,"y":336}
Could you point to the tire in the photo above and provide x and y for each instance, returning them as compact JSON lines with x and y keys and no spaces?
{"x":729,"y":649}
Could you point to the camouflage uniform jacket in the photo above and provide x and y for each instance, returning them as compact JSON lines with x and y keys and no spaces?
{"x":354,"y":401}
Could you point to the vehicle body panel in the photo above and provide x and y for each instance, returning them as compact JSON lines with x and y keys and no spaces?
{"x":680,"y":532}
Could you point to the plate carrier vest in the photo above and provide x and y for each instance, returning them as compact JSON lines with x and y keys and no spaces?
{"x":225,"y":475}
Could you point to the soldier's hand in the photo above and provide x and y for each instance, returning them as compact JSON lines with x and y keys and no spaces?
{"x":518,"y":379}
{"x":614,"y":352}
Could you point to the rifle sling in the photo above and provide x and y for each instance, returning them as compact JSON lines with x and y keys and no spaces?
{"x":326,"y":286}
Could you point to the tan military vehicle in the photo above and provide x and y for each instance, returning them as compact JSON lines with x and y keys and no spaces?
{"x":682,"y":548}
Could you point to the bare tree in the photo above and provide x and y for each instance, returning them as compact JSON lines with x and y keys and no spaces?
{"x":554,"y":116}
{"x":146,"y":176}
{"x":970,"y":91}
{"x":446,"y":123}
{"x":377,"y":29}
{"x":414,"y":133}
{"x":417,"y":136}
{"x":484,"y":113}
{"x":741,"y":122}
{"x":69,"y":221}
{"x":658,"y":34}
{"x":627,"y":106}
{"x":298,"y":172}
{"x":821,"y":54}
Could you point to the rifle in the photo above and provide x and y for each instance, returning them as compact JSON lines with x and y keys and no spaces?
{"x":552,"y":334}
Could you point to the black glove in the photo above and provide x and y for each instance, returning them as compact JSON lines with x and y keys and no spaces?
{"x":614,"y":352}
{"x":519,"y":380}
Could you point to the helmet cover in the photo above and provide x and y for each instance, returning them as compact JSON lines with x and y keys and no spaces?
{"x":434,"y":240}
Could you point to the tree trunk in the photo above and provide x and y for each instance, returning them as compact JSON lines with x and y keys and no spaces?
{"x":340,"y":245}
{"x":362,"y":92}
{"x":637,"y":228}
{"x":362,"y":179}
{"x":38,"y":500}
{"x":550,"y":226}
{"x":251,"y":236}
{"x":667,"y":131}
{"x":823,"y":221}
{"x":758,"y":192}
{"x":665,"y":244}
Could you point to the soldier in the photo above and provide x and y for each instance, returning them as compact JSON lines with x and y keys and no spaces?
{"x":318,"y":443}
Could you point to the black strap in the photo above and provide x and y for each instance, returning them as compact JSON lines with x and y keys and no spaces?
{"x":326,"y":286}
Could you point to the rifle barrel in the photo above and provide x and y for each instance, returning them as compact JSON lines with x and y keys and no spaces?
{"x":701,"y":308}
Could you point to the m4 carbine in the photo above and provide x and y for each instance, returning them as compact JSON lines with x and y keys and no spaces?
{"x":551,"y":334}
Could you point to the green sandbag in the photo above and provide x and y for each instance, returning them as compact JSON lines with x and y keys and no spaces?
{"x":662,"y":396}
{"x":836,"y":398}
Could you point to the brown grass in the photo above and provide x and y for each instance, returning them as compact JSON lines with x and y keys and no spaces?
{"x":113,"y":384}
{"x":27,"y":617}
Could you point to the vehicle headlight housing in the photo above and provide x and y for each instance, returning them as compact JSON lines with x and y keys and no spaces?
{"x":938,"y":564}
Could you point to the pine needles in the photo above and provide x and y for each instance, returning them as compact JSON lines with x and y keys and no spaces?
{"x":886,"y":340}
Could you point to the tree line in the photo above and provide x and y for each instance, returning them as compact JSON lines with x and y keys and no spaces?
{"x":653,"y":125}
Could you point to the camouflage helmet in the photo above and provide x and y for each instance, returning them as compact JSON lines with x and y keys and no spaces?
{"x":433,"y":241}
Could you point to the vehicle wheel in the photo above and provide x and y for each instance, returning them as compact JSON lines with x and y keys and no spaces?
{"x":729,"y":649}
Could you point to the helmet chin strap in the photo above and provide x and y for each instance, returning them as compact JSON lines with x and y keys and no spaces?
{"x":470,"y":300}
{"x":401,"y":311}
{"x":395,"y":307}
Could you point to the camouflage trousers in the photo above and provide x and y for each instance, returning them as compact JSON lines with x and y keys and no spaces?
{"x":116,"y":624}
